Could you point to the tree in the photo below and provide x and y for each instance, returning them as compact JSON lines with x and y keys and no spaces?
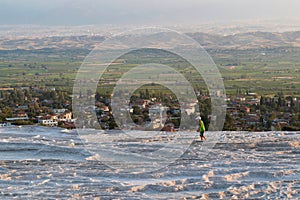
{"x":112,"y":124}
{"x":142,"y":95}
{"x":20,"y":97}
{"x":229,"y":123}
{"x":262,"y":100}
{"x":136,"y":110}
{"x":279,"y":103}
{"x":147,"y":95}
{"x":278,"y":127}
{"x":28,"y":94}
{"x":6,"y":111}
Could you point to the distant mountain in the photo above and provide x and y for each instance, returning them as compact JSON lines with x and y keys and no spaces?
{"x":249,"y":40}
{"x":65,"y":42}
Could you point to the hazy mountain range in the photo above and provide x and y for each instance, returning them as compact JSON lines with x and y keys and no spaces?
{"x":249,"y":40}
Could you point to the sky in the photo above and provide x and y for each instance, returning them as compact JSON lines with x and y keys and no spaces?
{"x":138,"y":12}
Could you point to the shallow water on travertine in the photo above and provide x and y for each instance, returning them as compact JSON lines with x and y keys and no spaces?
{"x":48,"y":163}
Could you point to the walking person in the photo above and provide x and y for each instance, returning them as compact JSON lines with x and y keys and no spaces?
{"x":201,"y":128}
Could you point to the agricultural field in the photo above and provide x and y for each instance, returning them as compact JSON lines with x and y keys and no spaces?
{"x":263,"y":71}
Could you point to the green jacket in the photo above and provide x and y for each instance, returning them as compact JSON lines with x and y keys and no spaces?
{"x":202,"y":126}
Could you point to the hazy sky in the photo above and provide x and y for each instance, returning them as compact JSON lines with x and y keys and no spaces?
{"x":149,"y":12}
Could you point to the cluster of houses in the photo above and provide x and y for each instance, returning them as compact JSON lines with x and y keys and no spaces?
{"x":246,"y":113}
{"x":61,"y":115}
{"x":26,"y":103}
{"x":152,"y":113}
{"x":244,"y":109}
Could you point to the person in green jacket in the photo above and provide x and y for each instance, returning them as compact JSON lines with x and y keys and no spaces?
{"x":201,"y":128}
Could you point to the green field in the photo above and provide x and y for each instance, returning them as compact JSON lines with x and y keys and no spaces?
{"x":262,"y":71}
{"x":265,"y":71}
